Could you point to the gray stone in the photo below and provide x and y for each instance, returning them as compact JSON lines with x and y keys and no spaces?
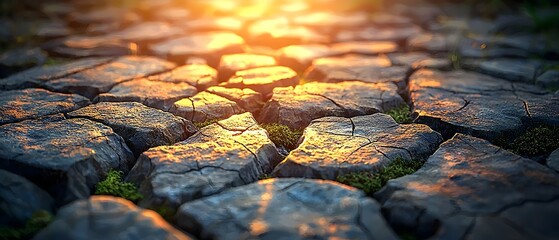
{"x":334,"y":146}
{"x":417,"y":60}
{"x":209,"y":46}
{"x":365,"y":47}
{"x":52,"y":30}
{"x":472,"y":189}
{"x":479,"y":48}
{"x":88,"y":46}
{"x":553,"y":160}
{"x":297,"y":107}
{"x":232,"y":152}
{"x":104,"y":15}
{"x":205,"y":106}
{"x":17,"y":105}
{"x":67,"y":157}
{"x":263,"y":79}
{"x":279,"y":32}
{"x":429,"y":42}
{"x":549,"y":79}
{"x":387,"y":20}
{"x":286,"y":209}
{"x":146,"y":33}
{"x":20,"y":199}
{"x":518,"y":70}
{"x":229,"y":64}
{"x":479,"y":105}
{"x":246,"y":98}
{"x":141,"y":127}
{"x":399,"y":35}
{"x":156,"y":94}
{"x":106,"y":217}
{"x":331,"y":20}
{"x":299,"y":57}
{"x":19,"y":59}
{"x":200,"y":76}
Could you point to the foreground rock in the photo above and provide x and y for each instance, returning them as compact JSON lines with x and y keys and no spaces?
{"x":287,"y":208}
{"x":205,"y":106}
{"x":479,"y":105}
{"x":472,"y":189}
{"x":334,"y":146}
{"x":156,"y":94}
{"x":25,"y":104}
{"x":263,"y":79}
{"x":141,"y":127}
{"x":67,"y":157}
{"x":106,"y":217}
{"x":20,"y":199}
{"x":297,"y":106}
{"x":88,"y":77}
{"x":230,"y":153}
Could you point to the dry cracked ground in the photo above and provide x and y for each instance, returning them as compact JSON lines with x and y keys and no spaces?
{"x":177,"y":98}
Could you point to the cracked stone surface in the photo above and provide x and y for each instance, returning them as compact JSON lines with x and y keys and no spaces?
{"x":469,"y":189}
{"x":67,"y":157}
{"x":290,"y":208}
{"x":356,"y":68}
{"x":229,"y":153}
{"x":417,"y":60}
{"x":553,"y":160}
{"x":156,"y":94}
{"x":108,"y":217}
{"x":88,"y":77}
{"x":21,"y":199}
{"x":246,"y":98}
{"x":479,"y":105}
{"x":510,"y":69}
{"x":229,"y":64}
{"x":201,"y":76}
{"x":141,"y":127}
{"x":263,"y":79}
{"x":299,"y":57}
{"x":205,"y":106}
{"x":88,"y":46}
{"x":297,"y":106}
{"x":18,"y":105}
{"x":209,"y":46}
{"x":332,"y":146}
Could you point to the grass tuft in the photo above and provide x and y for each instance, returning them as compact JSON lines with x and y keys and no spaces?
{"x":36,"y":223}
{"x":201,"y":125}
{"x":372,"y":182}
{"x":115,"y":186}
{"x":401,"y":114}
{"x":283,"y":135}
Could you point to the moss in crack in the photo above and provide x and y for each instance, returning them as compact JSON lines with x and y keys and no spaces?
{"x":536,"y":141}
{"x":401,"y":114}
{"x":372,"y":182}
{"x":115,"y":186}
{"x":166,"y":212}
{"x":36,"y":223}
{"x":201,"y":125}
{"x":282,"y":135}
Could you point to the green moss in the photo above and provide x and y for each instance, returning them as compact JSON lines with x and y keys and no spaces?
{"x":401,"y":114}
{"x":536,"y":141}
{"x":113,"y":185}
{"x":201,"y":125}
{"x":166,"y":212}
{"x":55,"y":61}
{"x":38,"y":221}
{"x":370,"y":183}
{"x":283,"y":135}
{"x":265,"y":176}
{"x":456,"y":60}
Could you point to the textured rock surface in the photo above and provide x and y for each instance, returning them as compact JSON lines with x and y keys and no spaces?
{"x":25,"y":104}
{"x":510,"y":69}
{"x":549,"y":79}
{"x":20,"y":59}
{"x":156,"y":94}
{"x":88,"y":46}
{"x":469,"y":189}
{"x":478,"y":105}
{"x":229,"y":64}
{"x":108,"y":217}
{"x":200,"y":76}
{"x":299,"y":57}
{"x":20,"y":199}
{"x":297,"y":107}
{"x":334,"y":145}
{"x":141,"y":127}
{"x":232,"y":152}
{"x":205,"y":106}
{"x":366,"y":47}
{"x":246,"y":98}
{"x":263,"y":79}
{"x":209,"y":46}
{"x":399,"y":35}
{"x":286,"y":208}
{"x":65,"y":157}
{"x":553,"y":160}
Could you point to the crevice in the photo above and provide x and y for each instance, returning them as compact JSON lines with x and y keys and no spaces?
{"x":191,"y":170}
{"x":334,"y":102}
{"x":352,"y":127}
{"x":466,"y":103}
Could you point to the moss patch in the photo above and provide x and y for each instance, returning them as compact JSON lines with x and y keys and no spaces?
{"x":536,"y":141}
{"x":38,"y":221}
{"x":166,"y":212}
{"x":401,"y":114}
{"x":283,"y":135}
{"x":201,"y":125}
{"x":115,"y":186}
{"x":370,"y":183}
